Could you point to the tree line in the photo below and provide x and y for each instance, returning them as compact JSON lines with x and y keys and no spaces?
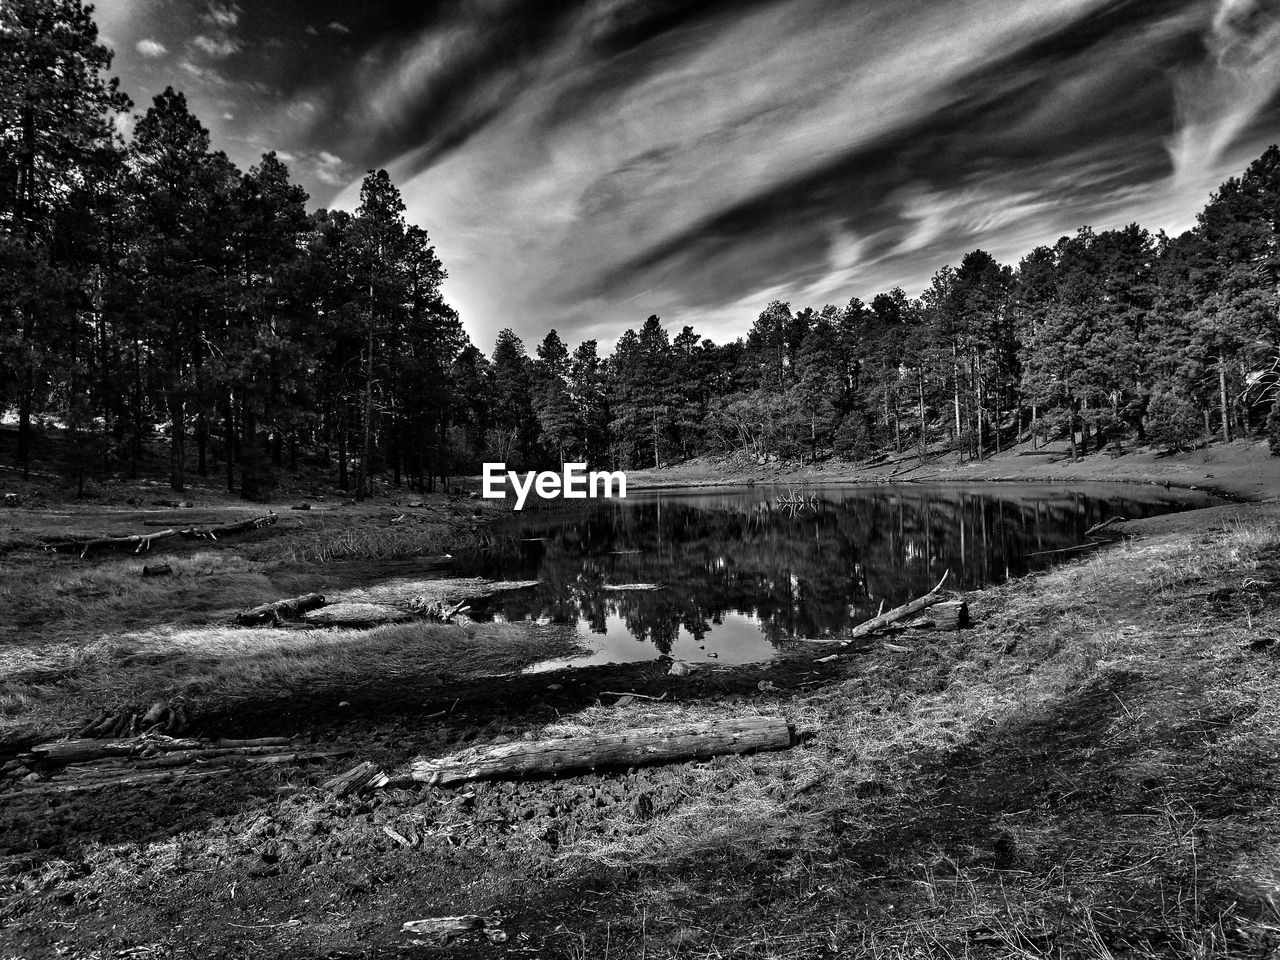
{"x":152,"y":291}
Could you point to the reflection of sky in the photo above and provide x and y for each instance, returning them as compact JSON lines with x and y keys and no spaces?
{"x":737,"y":638}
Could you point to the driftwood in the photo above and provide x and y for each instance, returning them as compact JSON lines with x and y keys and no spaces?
{"x":100,"y":778}
{"x":1099,"y":527}
{"x":948,"y":615}
{"x":129,"y":780}
{"x":1079,"y":546}
{"x":898,"y":613}
{"x":78,"y":751}
{"x":443,"y":927}
{"x":278,"y":611}
{"x":355,"y":615}
{"x":360,"y":777}
{"x":228,"y":529}
{"x":180,"y":758}
{"x":142,"y":543}
{"x":882,"y":620}
{"x":627,"y":748}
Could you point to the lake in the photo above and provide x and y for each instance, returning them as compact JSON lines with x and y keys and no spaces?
{"x":741,"y":574}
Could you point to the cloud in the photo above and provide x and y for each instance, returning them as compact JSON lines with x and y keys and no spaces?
{"x":206,"y":75}
{"x":590,"y":164}
{"x":151,"y":48}
{"x":218,"y":47}
{"x":222,"y":15}
{"x":330,"y":168}
{"x":1219,"y":97}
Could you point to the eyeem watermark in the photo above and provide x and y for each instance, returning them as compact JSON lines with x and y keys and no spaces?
{"x":574,"y":484}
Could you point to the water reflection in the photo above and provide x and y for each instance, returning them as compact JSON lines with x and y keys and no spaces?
{"x":741,"y":572}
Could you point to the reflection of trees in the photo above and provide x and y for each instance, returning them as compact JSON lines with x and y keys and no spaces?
{"x":809,"y":574}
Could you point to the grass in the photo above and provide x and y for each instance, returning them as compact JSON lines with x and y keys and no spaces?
{"x":56,"y":687}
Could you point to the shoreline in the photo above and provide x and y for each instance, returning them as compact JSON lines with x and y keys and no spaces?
{"x":1242,"y":472}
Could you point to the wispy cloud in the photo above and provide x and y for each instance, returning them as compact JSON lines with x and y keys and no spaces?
{"x":1219,"y":98}
{"x":151,"y":48}
{"x":217,"y":47}
{"x":222,"y":15}
{"x":560,"y":201}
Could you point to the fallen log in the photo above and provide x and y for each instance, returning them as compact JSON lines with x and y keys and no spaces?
{"x":355,"y":615}
{"x":180,"y":758}
{"x":78,"y":751}
{"x":948,"y":615}
{"x":364,"y":775}
{"x":278,"y":611}
{"x":129,"y":780}
{"x":628,"y":748}
{"x":443,"y":927}
{"x":151,"y":777}
{"x":880,"y":621}
{"x":157,"y":570}
{"x":227,"y":529}
{"x":142,"y":543}
{"x":1099,"y":527}
{"x":139,"y":542}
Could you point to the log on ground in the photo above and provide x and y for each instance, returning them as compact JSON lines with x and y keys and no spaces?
{"x":355,"y":615}
{"x":81,"y":750}
{"x":280,"y":610}
{"x":227,"y":529}
{"x":362,"y":776}
{"x":934,"y":596}
{"x":142,"y":543}
{"x":948,"y":615}
{"x":629,"y":748}
{"x":138,"y":543}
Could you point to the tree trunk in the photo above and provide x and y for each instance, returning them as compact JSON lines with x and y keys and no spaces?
{"x":626,"y":748}
{"x":229,"y":443}
{"x":344,"y":480}
{"x":280,"y":610}
{"x":202,"y":443}
{"x":366,"y":444}
{"x":920,"y":396}
{"x":1222,"y":395}
{"x":177,"y":437}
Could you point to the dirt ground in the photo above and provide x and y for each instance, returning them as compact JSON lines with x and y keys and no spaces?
{"x":1087,"y":771}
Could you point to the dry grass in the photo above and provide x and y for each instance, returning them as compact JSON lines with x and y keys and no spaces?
{"x":81,"y":601}
{"x":57,"y":686}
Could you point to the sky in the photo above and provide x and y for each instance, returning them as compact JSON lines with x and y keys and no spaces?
{"x":582,"y":164}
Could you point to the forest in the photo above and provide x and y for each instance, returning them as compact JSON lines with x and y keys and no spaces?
{"x":153,"y":296}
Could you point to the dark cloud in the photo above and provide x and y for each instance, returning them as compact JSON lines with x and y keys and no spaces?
{"x":582,"y":163}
